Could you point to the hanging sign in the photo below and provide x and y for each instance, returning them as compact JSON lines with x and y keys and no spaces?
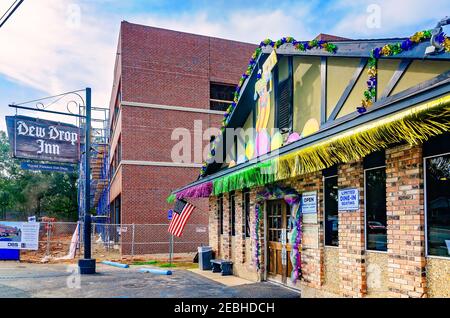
{"x":19,"y":235}
{"x":39,"y":139}
{"x":46,"y":167}
{"x":169,"y":215}
{"x":348,"y":199}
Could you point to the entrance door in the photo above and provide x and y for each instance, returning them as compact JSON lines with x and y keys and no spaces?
{"x":279,"y":264}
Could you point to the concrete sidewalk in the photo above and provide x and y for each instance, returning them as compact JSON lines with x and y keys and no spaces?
{"x":36,"y":280}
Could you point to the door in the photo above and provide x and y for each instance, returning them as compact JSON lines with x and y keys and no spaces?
{"x":279,"y":264}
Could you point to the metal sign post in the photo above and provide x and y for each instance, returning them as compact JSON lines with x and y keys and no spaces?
{"x":87,"y":265}
{"x":53,"y":152}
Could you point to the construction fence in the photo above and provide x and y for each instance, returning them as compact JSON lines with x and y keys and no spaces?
{"x":113,"y":241}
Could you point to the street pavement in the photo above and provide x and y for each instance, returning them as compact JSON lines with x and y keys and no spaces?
{"x":18,"y":280}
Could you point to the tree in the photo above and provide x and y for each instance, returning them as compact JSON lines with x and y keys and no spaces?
{"x":53,"y":194}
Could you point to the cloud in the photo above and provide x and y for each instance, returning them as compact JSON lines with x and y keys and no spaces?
{"x":250,"y":26}
{"x":397,"y":18}
{"x":57,"y":46}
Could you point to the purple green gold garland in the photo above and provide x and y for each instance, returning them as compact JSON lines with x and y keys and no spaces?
{"x":299,"y":45}
{"x":389,"y":50}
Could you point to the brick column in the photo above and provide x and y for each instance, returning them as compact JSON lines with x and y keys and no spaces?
{"x":225,"y":248}
{"x":351,"y":234}
{"x":214,"y":224}
{"x":406,"y":222}
{"x":240,"y":229}
{"x":312,"y":257}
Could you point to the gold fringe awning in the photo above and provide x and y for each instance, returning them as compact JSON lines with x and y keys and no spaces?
{"x":413,"y":126}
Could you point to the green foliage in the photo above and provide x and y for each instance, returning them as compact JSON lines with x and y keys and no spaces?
{"x":31,"y":192}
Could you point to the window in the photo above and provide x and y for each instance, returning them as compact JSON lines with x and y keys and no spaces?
{"x":437,"y":195}
{"x":331,"y":210}
{"x":221,"y":96}
{"x":375,"y":201}
{"x":246,"y":208}
{"x":116,"y":210}
{"x":232,"y":214}
{"x":284,"y":94}
{"x":220,"y":213}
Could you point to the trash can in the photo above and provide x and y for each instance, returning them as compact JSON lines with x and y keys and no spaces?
{"x":204,"y":257}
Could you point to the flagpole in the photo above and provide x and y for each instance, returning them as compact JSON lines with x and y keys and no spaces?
{"x":170,"y":250}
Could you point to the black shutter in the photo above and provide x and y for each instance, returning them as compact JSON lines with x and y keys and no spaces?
{"x":284,"y":105}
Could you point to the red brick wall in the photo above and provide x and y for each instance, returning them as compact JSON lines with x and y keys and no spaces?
{"x":173,"y":68}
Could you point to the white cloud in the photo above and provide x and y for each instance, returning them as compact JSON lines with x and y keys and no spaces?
{"x":48,"y":47}
{"x":396,"y":17}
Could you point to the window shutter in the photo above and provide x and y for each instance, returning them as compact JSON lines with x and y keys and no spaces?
{"x":284,"y":105}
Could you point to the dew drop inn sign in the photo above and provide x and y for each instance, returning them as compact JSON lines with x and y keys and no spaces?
{"x":39,"y":139}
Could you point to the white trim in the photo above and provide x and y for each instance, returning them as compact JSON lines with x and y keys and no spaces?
{"x":425,"y":207}
{"x":374,"y":251}
{"x":169,"y":107}
{"x":365,"y":210}
{"x":444,"y":258}
{"x":160,"y":164}
{"x":324,"y":214}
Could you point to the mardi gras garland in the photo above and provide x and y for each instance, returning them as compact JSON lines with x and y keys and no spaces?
{"x":390,"y":50}
{"x":292,"y":198}
{"x":298,"y":45}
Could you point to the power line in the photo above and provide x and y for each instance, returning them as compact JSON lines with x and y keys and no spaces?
{"x":12,"y":5}
{"x":16,"y":5}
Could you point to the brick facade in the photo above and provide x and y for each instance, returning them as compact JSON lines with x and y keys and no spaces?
{"x":162,"y":67}
{"x":406,"y":222}
{"x":312,"y":257}
{"x":352,"y":267}
{"x":399,"y":272}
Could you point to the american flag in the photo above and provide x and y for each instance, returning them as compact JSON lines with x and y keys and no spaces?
{"x":183,"y":211}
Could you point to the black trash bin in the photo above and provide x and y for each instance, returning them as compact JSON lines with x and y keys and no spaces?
{"x":204,"y":257}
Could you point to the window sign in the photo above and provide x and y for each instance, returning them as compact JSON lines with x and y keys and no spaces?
{"x":348,"y":199}
{"x":309,"y":202}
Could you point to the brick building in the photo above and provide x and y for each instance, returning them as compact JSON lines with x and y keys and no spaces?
{"x":163,"y":80}
{"x":339,"y":183}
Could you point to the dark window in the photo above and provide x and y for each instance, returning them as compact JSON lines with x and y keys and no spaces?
{"x":117,"y":208}
{"x":220,"y":212}
{"x":331,"y":211}
{"x":232,"y":214}
{"x":438,"y":205}
{"x":375,"y":160}
{"x":221,"y":96}
{"x":246,"y":208}
{"x":284,"y":99}
{"x":376,"y":225}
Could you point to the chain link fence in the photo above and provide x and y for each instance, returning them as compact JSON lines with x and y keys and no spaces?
{"x":113,"y":241}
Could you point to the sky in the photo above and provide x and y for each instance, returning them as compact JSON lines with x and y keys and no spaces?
{"x":53,"y":46}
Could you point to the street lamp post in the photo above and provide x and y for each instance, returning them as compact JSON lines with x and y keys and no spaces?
{"x":87,"y":265}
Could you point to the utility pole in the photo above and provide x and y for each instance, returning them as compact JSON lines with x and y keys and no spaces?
{"x":87,"y":265}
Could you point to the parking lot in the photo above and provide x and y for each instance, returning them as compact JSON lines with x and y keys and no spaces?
{"x":19,"y":280}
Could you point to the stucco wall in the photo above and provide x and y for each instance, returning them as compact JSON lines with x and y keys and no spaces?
{"x":438,"y":277}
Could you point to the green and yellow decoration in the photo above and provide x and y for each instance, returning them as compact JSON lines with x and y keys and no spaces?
{"x":391,"y":50}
